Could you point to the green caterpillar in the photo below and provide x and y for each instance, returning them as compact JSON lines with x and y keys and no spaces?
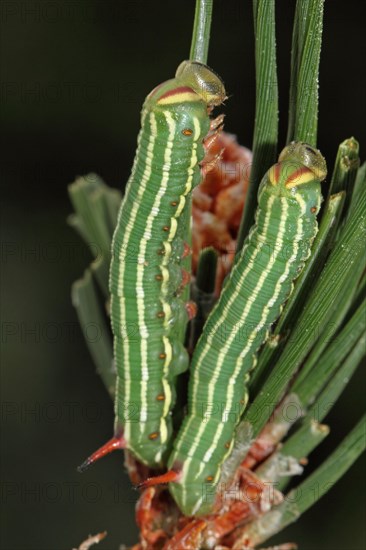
{"x":148,"y":313}
{"x":273,"y":255}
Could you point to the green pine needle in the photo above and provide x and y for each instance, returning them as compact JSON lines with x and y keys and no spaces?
{"x":203,"y":288}
{"x":312,"y":378}
{"x":266,"y":110}
{"x":95,"y":328}
{"x":306,"y":45}
{"x":304,"y":496}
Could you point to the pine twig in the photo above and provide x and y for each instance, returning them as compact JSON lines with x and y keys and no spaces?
{"x":201,"y":31}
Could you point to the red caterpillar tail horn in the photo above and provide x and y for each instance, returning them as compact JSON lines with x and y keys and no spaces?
{"x":169,"y":477}
{"x":117,"y":442}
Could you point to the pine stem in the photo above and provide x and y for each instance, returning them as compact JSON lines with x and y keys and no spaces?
{"x":201,"y":31}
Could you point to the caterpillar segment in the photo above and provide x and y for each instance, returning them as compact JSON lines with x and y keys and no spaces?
{"x":148,"y":274}
{"x":273,"y":255}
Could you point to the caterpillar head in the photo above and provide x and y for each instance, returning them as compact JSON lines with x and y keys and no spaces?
{"x":298,"y":164}
{"x":193,"y":83}
{"x":203,"y":80}
{"x":305,"y":155}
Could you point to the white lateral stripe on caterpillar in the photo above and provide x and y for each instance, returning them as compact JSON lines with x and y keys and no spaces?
{"x":123,"y":254}
{"x":124,"y":251}
{"x":142,"y":255}
{"x":222,"y":355}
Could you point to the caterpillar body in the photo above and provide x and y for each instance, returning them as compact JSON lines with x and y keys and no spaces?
{"x":148,"y":313}
{"x":273,"y":255}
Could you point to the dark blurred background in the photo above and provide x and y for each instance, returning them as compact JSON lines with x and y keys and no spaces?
{"x":74,"y":75}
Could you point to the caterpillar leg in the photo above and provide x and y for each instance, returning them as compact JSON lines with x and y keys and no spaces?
{"x":217,"y":122}
{"x":187,"y":250}
{"x":117,"y":442}
{"x":186,"y":278}
{"x":210,"y":165}
{"x":211,"y":138}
